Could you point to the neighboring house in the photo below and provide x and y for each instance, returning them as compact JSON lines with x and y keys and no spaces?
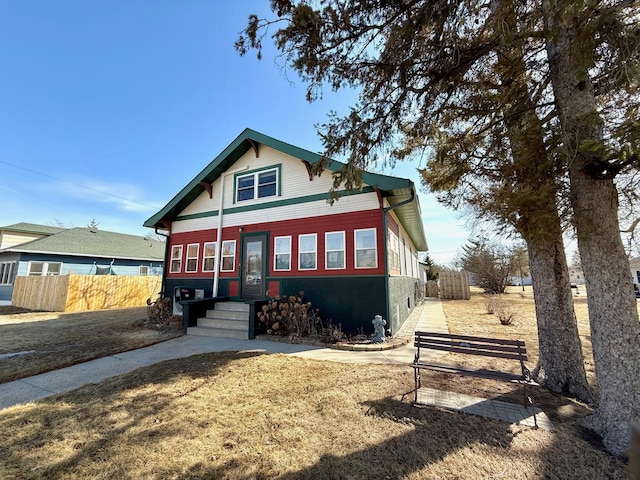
{"x":634,"y":265}
{"x":260,"y":215}
{"x":576,"y":275}
{"x":29,"y":249}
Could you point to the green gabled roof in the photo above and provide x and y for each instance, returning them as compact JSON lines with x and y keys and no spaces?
{"x":394,"y":189}
{"x":33,"y":228}
{"x":97,"y":243}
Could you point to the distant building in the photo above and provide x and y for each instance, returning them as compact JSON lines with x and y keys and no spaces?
{"x":31,"y":249}
{"x":576,"y":275}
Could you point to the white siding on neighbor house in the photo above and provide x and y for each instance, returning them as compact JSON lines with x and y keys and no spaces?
{"x":11,"y":239}
{"x":365,"y":201}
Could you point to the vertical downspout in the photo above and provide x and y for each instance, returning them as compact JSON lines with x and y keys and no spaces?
{"x":216,"y":262}
{"x":165,"y":264}
{"x":386,"y":256}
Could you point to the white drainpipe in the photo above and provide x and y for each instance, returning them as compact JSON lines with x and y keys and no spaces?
{"x":216,"y":274}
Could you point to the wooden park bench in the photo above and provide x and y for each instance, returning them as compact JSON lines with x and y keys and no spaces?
{"x":487,"y":347}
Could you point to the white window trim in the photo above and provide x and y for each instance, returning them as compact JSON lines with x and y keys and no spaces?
{"x":343,"y":250}
{"x":45,"y":268}
{"x":186,"y":264}
{"x":256,"y":174}
{"x":315,"y":251}
{"x":206,"y":257}
{"x":355,"y":247}
{"x":174,"y":258}
{"x":276,"y":253}
{"x":7,"y":271}
{"x":223,"y":256}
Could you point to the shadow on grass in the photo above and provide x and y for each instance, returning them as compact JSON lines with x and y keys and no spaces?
{"x":430,"y":441}
{"x":101,"y":416}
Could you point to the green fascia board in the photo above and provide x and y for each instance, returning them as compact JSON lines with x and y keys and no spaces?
{"x":390,"y":186}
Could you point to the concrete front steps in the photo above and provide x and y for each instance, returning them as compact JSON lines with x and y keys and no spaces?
{"x":226,"y":320}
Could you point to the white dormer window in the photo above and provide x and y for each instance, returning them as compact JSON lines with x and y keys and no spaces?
{"x":258,"y":184}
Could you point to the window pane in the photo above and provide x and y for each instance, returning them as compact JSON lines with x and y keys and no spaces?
{"x":307,"y":260}
{"x":307,"y":243}
{"x":335,"y":259}
{"x":283,"y":261}
{"x":192,"y":251}
{"x":365,"y":239}
{"x":35,"y":268}
{"x":245,"y":188}
{"x":227,"y":263}
{"x":209,"y":264}
{"x":366,"y":258}
{"x":267,"y":184}
{"x":54,"y":269}
{"x":335,"y":241}
{"x":283,"y":245}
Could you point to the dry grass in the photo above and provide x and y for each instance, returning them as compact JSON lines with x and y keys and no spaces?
{"x":245,"y":416}
{"x":57,"y":340}
{"x":241,"y":416}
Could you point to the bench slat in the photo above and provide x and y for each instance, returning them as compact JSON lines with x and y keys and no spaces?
{"x":475,"y":351}
{"x":499,"y":341}
{"x":480,"y":373}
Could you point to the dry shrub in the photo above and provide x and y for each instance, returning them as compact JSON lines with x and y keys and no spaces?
{"x":490,"y":305}
{"x":506,"y":313}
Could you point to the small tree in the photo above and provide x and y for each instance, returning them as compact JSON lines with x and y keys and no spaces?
{"x":431,"y":268}
{"x":491,"y":265}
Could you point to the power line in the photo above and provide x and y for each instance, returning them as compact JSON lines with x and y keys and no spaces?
{"x":77,"y":184}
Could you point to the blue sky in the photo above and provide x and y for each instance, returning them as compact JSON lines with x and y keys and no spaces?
{"x":108,"y":109}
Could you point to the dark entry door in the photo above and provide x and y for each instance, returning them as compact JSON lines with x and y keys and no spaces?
{"x":254,"y":263}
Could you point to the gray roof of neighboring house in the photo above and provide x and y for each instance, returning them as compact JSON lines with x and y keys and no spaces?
{"x":84,"y":242}
{"x":397,"y":191}
{"x":34,"y":228}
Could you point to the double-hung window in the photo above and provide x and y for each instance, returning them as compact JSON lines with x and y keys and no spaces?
{"x":365,"y":248}
{"x":282,"y":256}
{"x":193,"y":249}
{"x":307,"y":251}
{"x":228,"y":256}
{"x":334,"y":250}
{"x":176,"y":259}
{"x":209,"y":257}
{"x":259,"y":184}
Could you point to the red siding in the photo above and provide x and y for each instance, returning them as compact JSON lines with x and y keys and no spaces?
{"x":347,"y":222}
{"x":274,"y":289}
{"x":234,"y":288}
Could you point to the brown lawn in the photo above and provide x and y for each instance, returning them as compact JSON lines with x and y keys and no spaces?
{"x":46,"y":341}
{"x":251,"y":416}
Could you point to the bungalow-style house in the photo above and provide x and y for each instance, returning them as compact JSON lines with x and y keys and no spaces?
{"x":256,"y":223}
{"x":30,"y":249}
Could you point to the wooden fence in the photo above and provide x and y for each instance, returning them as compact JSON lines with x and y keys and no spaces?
{"x":454,"y":285}
{"x":77,"y":293}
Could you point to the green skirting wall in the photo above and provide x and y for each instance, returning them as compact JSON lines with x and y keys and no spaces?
{"x":350,"y":301}
{"x":402,"y":300}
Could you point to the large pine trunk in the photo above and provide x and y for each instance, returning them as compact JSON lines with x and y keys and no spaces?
{"x":560,"y":365}
{"x":615,"y":329}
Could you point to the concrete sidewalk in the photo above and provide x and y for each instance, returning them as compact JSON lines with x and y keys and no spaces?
{"x":428,"y":317}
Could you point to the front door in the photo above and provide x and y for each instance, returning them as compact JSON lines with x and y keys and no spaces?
{"x":254,"y":255}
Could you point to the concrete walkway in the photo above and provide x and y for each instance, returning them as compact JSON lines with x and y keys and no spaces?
{"x":428,"y":316}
